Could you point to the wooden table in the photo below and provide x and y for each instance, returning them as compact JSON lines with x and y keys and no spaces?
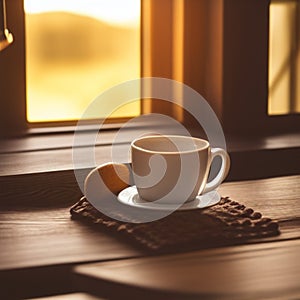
{"x":40,"y":247}
{"x":267,"y":269}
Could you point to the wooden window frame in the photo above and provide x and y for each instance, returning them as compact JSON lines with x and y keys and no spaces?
{"x":13,"y":120}
{"x":231,"y":71}
{"x":246,"y":31}
{"x":223,"y":55}
{"x":12,"y":74}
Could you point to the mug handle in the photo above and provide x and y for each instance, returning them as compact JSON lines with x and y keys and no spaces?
{"x":213,"y":184}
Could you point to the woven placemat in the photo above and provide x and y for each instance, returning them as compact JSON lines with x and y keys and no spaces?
{"x":225,"y":223}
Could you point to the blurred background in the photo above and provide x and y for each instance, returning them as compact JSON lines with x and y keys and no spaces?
{"x":77,"y":49}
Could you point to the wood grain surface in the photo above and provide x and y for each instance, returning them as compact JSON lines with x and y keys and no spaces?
{"x":264,"y":271}
{"x":50,"y":237}
{"x":34,"y":239}
{"x":50,"y":153}
{"x":268,"y":269}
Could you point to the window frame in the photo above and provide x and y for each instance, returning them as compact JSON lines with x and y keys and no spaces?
{"x":253,"y":17}
{"x":233,"y":73}
{"x":13,"y":120}
{"x":12,"y":61}
{"x":222,"y":75}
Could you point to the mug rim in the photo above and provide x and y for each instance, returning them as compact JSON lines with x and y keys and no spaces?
{"x":133,"y":145}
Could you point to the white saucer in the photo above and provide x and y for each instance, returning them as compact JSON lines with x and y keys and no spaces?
{"x":129,"y":196}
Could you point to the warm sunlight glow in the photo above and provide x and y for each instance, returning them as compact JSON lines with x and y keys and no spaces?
{"x":121,"y":12}
{"x":77,"y":49}
{"x":284,"y":58}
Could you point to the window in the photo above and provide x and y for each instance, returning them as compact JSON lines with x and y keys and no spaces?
{"x":74,"y":51}
{"x":13,"y":68}
{"x":284,"y":58}
{"x":219,"y":48}
{"x":226,"y":59}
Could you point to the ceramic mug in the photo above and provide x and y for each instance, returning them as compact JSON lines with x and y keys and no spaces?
{"x":174,"y":169}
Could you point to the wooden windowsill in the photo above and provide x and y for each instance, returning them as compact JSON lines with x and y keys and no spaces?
{"x":38,"y":169}
{"x":43,"y":153}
